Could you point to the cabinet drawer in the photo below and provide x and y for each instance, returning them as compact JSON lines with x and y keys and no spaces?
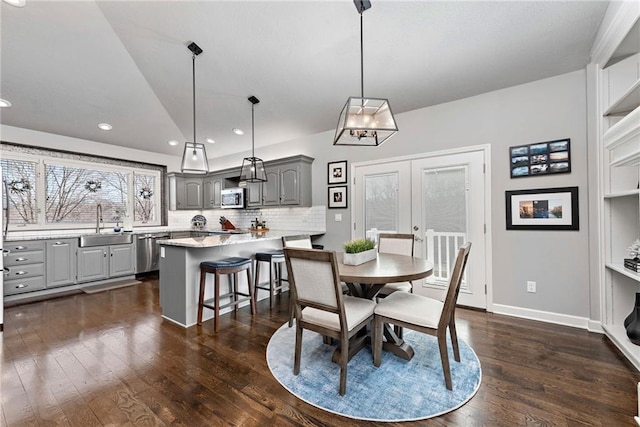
{"x":18,"y":286}
{"x":23,"y":271}
{"x":19,"y":258}
{"x":24,"y":246}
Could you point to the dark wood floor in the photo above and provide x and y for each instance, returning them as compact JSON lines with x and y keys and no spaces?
{"x":109,"y":359}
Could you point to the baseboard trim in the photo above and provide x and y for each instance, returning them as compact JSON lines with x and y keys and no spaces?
{"x":548,"y":317}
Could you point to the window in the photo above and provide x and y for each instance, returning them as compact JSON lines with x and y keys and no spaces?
{"x":70,"y":190}
{"x":381,"y":202}
{"x":19,"y":176}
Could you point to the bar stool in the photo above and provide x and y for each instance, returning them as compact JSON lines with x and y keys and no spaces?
{"x":276,"y":261}
{"x":229,"y":266}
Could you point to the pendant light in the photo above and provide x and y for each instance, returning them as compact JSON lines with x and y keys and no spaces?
{"x":194,"y":158}
{"x":252,"y":167}
{"x":364,"y":121}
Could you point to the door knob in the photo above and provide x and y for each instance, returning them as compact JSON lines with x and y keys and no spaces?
{"x":416,"y":228}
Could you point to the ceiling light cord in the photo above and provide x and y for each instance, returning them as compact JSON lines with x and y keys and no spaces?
{"x":193,"y":61}
{"x":253,"y":154}
{"x":361,"y":58}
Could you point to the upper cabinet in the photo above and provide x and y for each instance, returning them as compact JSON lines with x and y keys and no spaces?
{"x":288,"y":184}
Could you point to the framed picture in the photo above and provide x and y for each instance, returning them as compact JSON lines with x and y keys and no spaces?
{"x":543,"y":209}
{"x":337,"y":197}
{"x":337,"y":173}
{"x":541,"y":158}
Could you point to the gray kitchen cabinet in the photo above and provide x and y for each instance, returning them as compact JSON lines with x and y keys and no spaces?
{"x":61,"y":262}
{"x":93,"y":263}
{"x":121,"y":260}
{"x":288,"y":182}
{"x":253,"y":194}
{"x":104,"y":262}
{"x":189,"y":192}
{"x":23,"y":267}
{"x":212,"y":187}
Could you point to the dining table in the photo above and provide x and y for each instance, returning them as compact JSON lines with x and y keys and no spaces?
{"x":366,"y":280}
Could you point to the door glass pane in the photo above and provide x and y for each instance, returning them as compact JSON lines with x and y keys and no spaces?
{"x":381,"y":203}
{"x":445,"y":217}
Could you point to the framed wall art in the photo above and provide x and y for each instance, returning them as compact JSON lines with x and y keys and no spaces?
{"x":337,"y":173}
{"x":337,"y":197}
{"x":543,"y":209}
{"x":541,"y":158}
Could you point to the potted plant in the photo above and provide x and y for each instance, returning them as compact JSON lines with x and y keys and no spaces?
{"x":359,"y":251}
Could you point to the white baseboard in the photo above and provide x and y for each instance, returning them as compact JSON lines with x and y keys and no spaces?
{"x":549,"y":317}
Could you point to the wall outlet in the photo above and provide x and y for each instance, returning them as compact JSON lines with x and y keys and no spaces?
{"x":531,"y":286}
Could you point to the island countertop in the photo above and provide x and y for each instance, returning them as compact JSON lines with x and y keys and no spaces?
{"x":232,"y":239}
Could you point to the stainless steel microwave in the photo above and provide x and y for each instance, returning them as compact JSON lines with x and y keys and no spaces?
{"x":232,"y":198}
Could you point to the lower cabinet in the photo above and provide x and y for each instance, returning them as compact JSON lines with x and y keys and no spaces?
{"x":103,"y":262}
{"x":23,"y":267}
{"x":61,"y":262}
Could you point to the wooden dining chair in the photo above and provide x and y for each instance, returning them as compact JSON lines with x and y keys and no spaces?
{"x":320,"y":305}
{"x":425,"y":315}
{"x":400,"y":244}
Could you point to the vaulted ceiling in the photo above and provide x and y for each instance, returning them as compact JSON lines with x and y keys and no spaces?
{"x":68,"y":65}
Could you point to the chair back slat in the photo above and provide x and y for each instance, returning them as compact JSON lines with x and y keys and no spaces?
{"x":454,"y":285}
{"x":395,"y":243}
{"x":299,"y":241}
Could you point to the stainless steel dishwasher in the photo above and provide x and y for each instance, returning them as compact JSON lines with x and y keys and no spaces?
{"x":148,"y":251}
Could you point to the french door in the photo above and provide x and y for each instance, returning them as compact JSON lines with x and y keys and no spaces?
{"x":441,"y":200}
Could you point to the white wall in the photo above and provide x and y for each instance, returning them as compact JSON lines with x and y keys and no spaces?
{"x":548,"y":109}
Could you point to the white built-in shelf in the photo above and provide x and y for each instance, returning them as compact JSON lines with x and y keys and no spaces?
{"x":619,"y":268}
{"x":618,"y":335}
{"x":628,"y":102}
{"x":623,"y":139}
{"x":618,"y":194}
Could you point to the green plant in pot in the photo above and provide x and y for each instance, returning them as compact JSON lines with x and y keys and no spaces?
{"x":359,"y":251}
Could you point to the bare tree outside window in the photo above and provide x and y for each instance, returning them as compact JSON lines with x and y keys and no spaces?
{"x":20,"y":177}
{"x":145,"y":196}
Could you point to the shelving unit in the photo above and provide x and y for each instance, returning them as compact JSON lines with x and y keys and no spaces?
{"x":619,"y":92}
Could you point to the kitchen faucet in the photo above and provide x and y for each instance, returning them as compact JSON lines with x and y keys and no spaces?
{"x":99,"y":217}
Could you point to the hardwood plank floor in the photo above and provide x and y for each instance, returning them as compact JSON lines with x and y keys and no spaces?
{"x":109,"y":359}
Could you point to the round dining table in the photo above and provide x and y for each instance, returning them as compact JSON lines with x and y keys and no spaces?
{"x":366,"y":280}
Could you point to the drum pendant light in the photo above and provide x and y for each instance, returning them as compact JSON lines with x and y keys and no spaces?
{"x":252,"y":167}
{"x":194,"y":158}
{"x":364,"y":121}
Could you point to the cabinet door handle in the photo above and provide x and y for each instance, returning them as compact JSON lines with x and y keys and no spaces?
{"x":21,"y":273}
{"x":21,"y":259}
{"x":19,"y":248}
{"x":21,"y":285}
{"x":104,"y":254}
{"x":58,"y":243}
{"x":6,"y":252}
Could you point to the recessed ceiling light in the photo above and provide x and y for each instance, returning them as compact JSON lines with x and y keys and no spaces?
{"x":210,"y":140}
{"x":16,"y":3}
{"x":238,"y":131}
{"x":173,"y":142}
{"x":105,"y":126}
{"x":4,"y":103}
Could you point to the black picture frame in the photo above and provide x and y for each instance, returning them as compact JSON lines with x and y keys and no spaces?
{"x":543,"y":209}
{"x":337,"y":172}
{"x":337,"y":197}
{"x":540,"y":158}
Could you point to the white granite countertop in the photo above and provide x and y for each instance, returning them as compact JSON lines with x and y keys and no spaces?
{"x":232,"y":239}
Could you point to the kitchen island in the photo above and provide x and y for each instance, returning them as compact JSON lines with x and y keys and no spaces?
{"x":180,"y":269}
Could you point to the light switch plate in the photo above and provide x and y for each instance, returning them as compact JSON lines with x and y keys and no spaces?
{"x":161,"y":251}
{"x":338,"y":217}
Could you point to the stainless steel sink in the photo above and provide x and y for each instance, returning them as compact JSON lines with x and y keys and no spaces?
{"x":105,"y":239}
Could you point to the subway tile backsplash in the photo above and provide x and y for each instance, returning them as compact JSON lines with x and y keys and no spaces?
{"x":290,"y":219}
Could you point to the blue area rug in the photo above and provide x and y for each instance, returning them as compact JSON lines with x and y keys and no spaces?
{"x":398,"y":390}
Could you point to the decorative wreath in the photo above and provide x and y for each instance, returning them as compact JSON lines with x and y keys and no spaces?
{"x":19,"y":186}
{"x":146,"y":193}
{"x":93,"y":186}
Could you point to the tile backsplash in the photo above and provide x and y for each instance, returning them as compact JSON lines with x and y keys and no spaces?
{"x":290,"y":219}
